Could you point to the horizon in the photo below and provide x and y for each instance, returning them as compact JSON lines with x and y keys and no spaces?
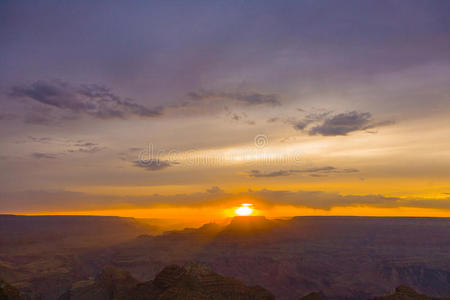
{"x":188,"y":110}
{"x":162,"y":225}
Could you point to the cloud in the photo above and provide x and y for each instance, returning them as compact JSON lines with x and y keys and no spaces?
{"x":323,"y":200}
{"x":247,"y":98}
{"x":215,"y":190}
{"x":315,"y":172}
{"x":153,"y":164}
{"x":327,"y":124}
{"x":86,"y":147}
{"x":301,"y":125}
{"x":265,"y":199}
{"x":40,"y":155}
{"x":93,"y":100}
{"x":273,"y":120}
{"x":42,"y":140}
{"x":85,"y":144}
{"x":238,"y":117}
{"x":344,"y":123}
{"x":70,"y":146}
{"x":310,"y":118}
{"x":327,"y":169}
{"x":258,"y":173}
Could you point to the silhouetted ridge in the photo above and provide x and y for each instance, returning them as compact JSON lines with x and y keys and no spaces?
{"x":169,"y":276}
{"x":191,"y":281}
{"x":312,"y":296}
{"x":249,"y":225}
{"x":404,"y":292}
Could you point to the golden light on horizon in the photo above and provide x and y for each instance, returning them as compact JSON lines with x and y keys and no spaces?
{"x":244,"y":210}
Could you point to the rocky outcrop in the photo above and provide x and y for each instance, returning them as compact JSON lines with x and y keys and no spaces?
{"x":312,"y":296}
{"x":8,"y":292}
{"x":191,"y":281}
{"x":403,"y":292}
{"x":112,"y":283}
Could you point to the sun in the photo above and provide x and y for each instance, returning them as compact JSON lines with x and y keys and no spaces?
{"x":244,"y":210}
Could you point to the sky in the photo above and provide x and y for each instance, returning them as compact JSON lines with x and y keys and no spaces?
{"x":185,"y":109}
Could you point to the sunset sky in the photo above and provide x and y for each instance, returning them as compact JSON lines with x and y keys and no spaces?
{"x":186,"y":109}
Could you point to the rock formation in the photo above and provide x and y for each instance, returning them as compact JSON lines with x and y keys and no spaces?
{"x":191,"y":281}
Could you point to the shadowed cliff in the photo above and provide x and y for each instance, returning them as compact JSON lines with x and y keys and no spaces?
{"x":191,"y":281}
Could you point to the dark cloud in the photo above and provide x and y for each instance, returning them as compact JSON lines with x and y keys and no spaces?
{"x":93,"y":100}
{"x":344,"y":123}
{"x":310,"y":118}
{"x":258,"y":173}
{"x":130,"y":154}
{"x":70,"y":146}
{"x":153,"y":164}
{"x":301,"y":125}
{"x":327,"y":169}
{"x":273,"y":120}
{"x":85,"y":144}
{"x":215,"y":190}
{"x":43,"y":140}
{"x":323,"y":123}
{"x":238,"y":117}
{"x":51,"y":200}
{"x":86,"y":147}
{"x":304,"y":122}
{"x":40,"y":155}
{"x":247,"y":98}
{"x":324,"y":200}
{"x":315,"y":172}
{"x":90,"y":149}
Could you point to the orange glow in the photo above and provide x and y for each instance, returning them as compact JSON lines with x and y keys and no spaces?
{"x":244,"y":210}
{"x":197,"y":216}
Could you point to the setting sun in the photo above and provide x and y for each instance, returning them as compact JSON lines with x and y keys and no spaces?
{"x":244,"y":210}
